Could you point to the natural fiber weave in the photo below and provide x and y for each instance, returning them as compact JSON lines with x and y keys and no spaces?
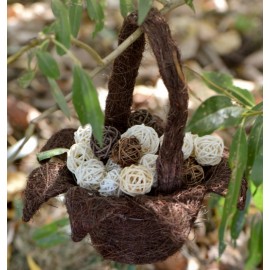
{"x":110,"y":136}
{"x":61,"y":139}
{"x":127,"y":151}
{"x":145,"y":228}
{"x":144,"y":117}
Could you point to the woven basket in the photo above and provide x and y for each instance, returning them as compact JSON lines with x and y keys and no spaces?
{"x":145,"y":228}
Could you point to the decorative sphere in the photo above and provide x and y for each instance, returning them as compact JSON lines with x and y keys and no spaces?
{"x":83,"y":134}
{"x":110,"y":136}
{"x":208,"y":150}
{"x":136,"y":180}
{"x":77,"y":154}
{"x":147,"y":137}
{"x":126,"y":151}
{"x":90,"y":173}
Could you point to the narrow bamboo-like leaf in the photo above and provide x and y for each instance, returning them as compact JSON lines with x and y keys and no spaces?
{"x":190,"y":4}
{"x":75,"y":14}
{"x":126,"y":6}
{"x":59,"y":97}
{"x":256,"y":175}
{"x":62,"y":25}
{"x":95,"y":12}
{"x":86,"y":103}
{"x":255,"y":245}
{"x":215,"y":113}
{"x":257,"y":196}
{"x":51,"y":234}
{"x":144,"y":7}
{"x":47,"y":65}
{"x":239,"y":219}
{"x":237,"y":161}
{"x":49,"y":29}
{"x":223,"y":84}
{"x":25,"y":80}
{"x":255,"y":158}
{"x":51,"y":153}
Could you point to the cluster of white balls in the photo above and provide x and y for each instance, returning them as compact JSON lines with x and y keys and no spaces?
{"x":137,"y":179}
{"x":111,"y":179}
{"x":207,"y":150}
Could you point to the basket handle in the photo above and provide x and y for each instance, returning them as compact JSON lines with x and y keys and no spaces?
{"x":122,"y":81}
{"x":121,"y":85}
{"x":170,"y":160}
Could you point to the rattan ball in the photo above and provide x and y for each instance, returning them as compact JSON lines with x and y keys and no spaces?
{"x":77,"y":154}
{"x":136,"y":180}
{"x":193,"y":173}
{"x":208,"y":150}
{"x":109,"y":186}
{"x":149,"y":161}
{"x":187,"y":147}
{"x":83,"y":134}
{"x":127,"y":151}
{"x":111,"y":165}
{"x":147,"y":137}
{"x":110,"y":136}
{"x":144,"y":117}
{"x":90,"y":174}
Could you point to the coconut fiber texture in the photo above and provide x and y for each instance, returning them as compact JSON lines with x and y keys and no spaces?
{"x":62,"y":139}
{"x":145,"y":228}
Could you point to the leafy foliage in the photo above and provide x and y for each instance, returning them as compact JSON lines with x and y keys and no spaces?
{"x":231,"y":107}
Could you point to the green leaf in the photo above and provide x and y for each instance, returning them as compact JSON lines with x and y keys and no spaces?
{"x":237,"y":161}
{"x":257,"y":196}
{"x":59,"y":97}
{"x":239,"y":218}
{"x":62,"y":25}
{"x":255,"y":155}
{"x":223,"y":84}
{"x":255,"y":245}
{"x":95,"y":12}
{"x":51,"y":234}
{"x":49,"y":29}
{"x":126,"y":6}
{"x":86,"y":103}
{"x":51,"y":153}
{"x":256,"y":175}
{"x":47,"y":65}
{"x":25,"y":80}
{"x":190,"y":4}
{"x":143,"y":9}
{"x":217,"y":112}
{"x":75,"y":14}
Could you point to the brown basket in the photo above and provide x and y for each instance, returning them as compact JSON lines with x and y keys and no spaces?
{"x":146,"y":228}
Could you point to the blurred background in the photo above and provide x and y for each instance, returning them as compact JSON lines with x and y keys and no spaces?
{"x":223,"y":35}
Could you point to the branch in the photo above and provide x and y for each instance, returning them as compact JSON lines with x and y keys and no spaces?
{"x":106,"y":61}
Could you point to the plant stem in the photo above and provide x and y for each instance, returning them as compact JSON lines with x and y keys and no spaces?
{"x":106,"y":61}
{"x":90,"y":50}
{"x":69,"y":53}
{"x":252,"y":113}
{"x":33,"y":43}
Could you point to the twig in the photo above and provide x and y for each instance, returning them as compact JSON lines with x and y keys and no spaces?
{"x":90,"y":50}
{"x":106,"y":61}
{"x":33,"y":43}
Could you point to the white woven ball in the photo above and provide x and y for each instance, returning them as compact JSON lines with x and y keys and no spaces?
{"x":136,"y":180}
{"x":90,"y":173}
{"x":110,"y":165}
{"x":77,"y":154}
{"x":83,"y":134}
{"x":161,"y":138}
{"x":208,"y":150}
{"x":187,"y":147}
{"x":149,"y":161}
{"x":109,"y":186}
{"x":147,"y":137}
